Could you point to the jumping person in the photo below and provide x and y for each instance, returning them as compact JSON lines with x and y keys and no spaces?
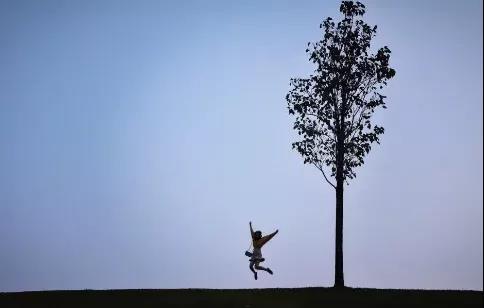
{"x":258,"y":241}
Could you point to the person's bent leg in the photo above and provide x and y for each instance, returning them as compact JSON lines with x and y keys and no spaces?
{"x":251,"y":266}
{"x":260,"y":268}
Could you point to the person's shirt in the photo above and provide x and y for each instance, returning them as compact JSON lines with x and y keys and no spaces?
{"x":262,"y":241}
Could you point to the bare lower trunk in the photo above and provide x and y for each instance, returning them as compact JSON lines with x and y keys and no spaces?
{"x":338,"y":271}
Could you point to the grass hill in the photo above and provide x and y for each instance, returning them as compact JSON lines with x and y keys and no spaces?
{"x":245,"y":298}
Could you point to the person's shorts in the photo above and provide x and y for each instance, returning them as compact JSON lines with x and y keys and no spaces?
{"x":257,"y":256}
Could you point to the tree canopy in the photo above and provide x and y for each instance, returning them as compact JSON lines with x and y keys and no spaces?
{"x":334,"y":105}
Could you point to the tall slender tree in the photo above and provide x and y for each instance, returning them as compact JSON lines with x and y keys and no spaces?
{"x":333,"y":107}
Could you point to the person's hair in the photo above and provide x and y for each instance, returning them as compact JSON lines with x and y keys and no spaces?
{"x":257,"y":235}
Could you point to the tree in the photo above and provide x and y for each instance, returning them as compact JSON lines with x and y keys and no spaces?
{"x":333,"y":108}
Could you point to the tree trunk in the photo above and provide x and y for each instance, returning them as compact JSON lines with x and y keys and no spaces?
{"x":338,"y":271}
{"x":338,"y":264}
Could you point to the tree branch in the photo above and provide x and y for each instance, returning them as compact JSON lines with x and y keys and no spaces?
{"x":322,"y":171}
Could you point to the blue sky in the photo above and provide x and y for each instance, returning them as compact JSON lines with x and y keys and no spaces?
{"x":139,"y":138}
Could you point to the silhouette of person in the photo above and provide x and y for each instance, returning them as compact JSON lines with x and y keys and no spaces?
{"x":258,"y":241}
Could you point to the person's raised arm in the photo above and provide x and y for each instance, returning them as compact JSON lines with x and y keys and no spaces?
{"x":251,"y":230}
{"x":267,"y":238}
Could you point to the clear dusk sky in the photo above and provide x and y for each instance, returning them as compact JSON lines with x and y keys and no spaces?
{"x":139,"y":138}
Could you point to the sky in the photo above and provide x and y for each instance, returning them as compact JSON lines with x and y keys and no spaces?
{"x":139,"y":138}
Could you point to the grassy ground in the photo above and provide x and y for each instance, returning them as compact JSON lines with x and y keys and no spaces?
{"x":304,"y":297}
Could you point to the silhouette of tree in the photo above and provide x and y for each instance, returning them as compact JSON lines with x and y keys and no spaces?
{"x":334,"y":106}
